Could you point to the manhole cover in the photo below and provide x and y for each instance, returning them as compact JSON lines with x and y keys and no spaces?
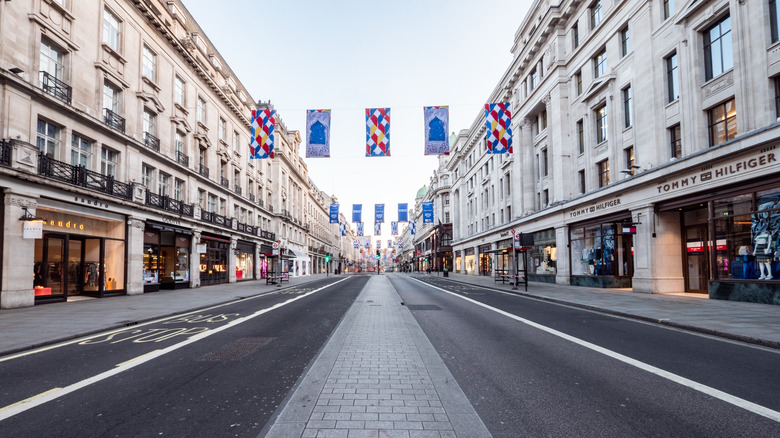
{"x":423,"y":307}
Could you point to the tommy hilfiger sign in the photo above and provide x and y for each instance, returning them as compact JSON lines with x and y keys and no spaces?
{"x":595,"y":207}
{"x":711,"y":173}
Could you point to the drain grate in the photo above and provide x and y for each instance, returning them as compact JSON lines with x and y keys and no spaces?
{"x":423,"y":307}
{"x":236,"y":350}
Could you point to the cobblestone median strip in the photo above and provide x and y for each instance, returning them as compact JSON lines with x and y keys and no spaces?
{"x":379,"y":376}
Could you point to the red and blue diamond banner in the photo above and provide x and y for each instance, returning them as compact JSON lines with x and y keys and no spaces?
{"x":318,"y":133}
{"x":360,"y":228}
{"x":377,"y":132}
{"x":261,"y":144}
{"x":437,"y":124}
{"x":394,"y":228}
{"x":498,"y":117}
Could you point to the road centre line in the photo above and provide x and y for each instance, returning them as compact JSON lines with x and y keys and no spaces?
{"x":118,"y":330}
{"x":55,"y":393}
{"x":708,"y":390}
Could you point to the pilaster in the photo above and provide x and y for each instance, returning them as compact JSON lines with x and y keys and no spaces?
{"x":135,"y":256}
{"x":18,"y":253}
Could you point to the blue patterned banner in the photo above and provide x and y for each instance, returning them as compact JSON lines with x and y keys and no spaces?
{"x":343,"y":229}
{"x":379,"y":213}
{"x":377,"y":228}
{"x":394,"y":228}
{"x":357,"y":212}
{"x":334,"y":213}
{"x":318,"y":133}
{"x":403,"y":213}
{"x":413,"y":229}
{"x":437,"y":125}
{"x":427,"y":208}
{"x":389,"y":243}
{"x":360,"y":228}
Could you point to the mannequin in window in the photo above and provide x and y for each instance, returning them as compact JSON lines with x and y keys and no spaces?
{"x":762,"y":250}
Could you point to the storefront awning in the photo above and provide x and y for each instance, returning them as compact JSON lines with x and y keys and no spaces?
{"x":298,"y":254}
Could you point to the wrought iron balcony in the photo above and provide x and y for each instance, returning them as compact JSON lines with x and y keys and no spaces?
{"x":151,"y":142}
{"x":224,"y":182}
{"x":260,"y":202}
{"x":183,"y":159}
{"x":5,"y":152}
{"x":82,"y":177}
{"x":251,"y":197}
{"x":163,"y":202}
{"x":237,"y":189}
{"x":113,"y":120}
{"x":203,"y":170}
{"x":267,"y":235}
{"x":56,"y":87}
{"x":216,"y":219}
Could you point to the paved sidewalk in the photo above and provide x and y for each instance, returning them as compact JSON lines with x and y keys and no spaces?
{"x":749,"y":322}
{"x":45,"y":324}
{"x":378,"y":376}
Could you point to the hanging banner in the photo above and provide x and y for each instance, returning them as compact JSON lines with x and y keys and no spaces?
{"x":389,"y":243}
{"x":360,"y":228}
{"x":394,"y":228}
{"x":498,"y":118}
{"x":403,"y":213}
{"x":261,"y":143}
{"x":377,"y":132}
{"x":356,"y":245}
{"x":413,"y":229}
{"x":400,"y":243}
{"x":377,"y":228}
{"x":318,"y":133}
{"x":379,"y":213}
{"x":368,"y":243}
{"x":437,"y":125}
{"x":343,"y":229}
{"x":357,"y":212}
{"x":427,"y":210}
{"x":334,"y":213}
{"x":378,"y":244}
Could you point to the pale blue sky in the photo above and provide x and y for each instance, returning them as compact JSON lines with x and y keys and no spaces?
{"x":348,"y":55}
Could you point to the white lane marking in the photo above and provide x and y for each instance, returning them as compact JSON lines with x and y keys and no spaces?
{"x":53,"y":394}
{"x":109,"y":332}
{"x":726,"y":397}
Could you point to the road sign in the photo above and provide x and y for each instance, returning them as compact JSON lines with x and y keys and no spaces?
{"x":275,"y":245}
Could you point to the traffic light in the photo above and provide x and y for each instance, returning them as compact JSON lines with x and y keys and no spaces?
{"x":327,"y":257}
{"x":377,"y":254}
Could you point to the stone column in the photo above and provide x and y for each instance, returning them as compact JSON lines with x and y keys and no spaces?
{"x":563,"y":264}
{"x":528,"y":187}
{"x":134,"y":283}
{"x":18,"y":252}
{"x":231,"y":259}
{"x":195,"y":260}
{"x":658,"y":265}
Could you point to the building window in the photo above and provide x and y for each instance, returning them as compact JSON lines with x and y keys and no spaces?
{"x":581,"y":175}
{"x":545,"y":162}
{"x":546,"y":197}
{"x":718,"y":54}
{"x":542,"y":121}
{"x":668,"y":8}
{"x":675,"y":141}
{"x":111,"y":97}
{"x":200,"y":111}
{"x":600,"y":63}
{"x":575,"y":34}
{"x":628,"y":153}
{"x":580,"y":137}
{"x":148,"y":63}
{"x":52,"y":60}
{"x":446,"y":217}
{"x":601,"y":124}
{"x":624,"y":42}
{"x":111,"y":30}
{"x":79,"y":151}
{"x":108,"y":161}
{"x":777,"y":96}
{"x":603,"y":171}
{"x":211,"y":207}
{"x":222,"y":130}
{"x":236,"y":141}
{"x":672,"y":80}
{"x":178,"y":190}
{"x":723,"y":122}
{"x":533,"y":80}
{"x":147,"y":177}
{"x":165,"y":182}
{"x":627,"y":111}
{"x":578,"y":82}
{"x":595,"y":14}
{"x":149,"y":122}
{"x":202,"y":158}
{"x":178,"y":91}
{"x":48,"y":138}
{"x":774,"y":19}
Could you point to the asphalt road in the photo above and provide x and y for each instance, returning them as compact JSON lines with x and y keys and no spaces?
{"x":524,"y":380}
{"x":217,"y":372}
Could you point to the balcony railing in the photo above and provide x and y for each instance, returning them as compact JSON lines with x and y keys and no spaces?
{"x":224,"y":182}
{"x":237,"y":189}
{"x":56,"y":87}
{"x":113,"y":120}
{"x":183,"y":159}
{"x":163,"y":202}
{"x":216,"y":219}
{"x":260,"y":202}
{"x":5,"y":152}
{"x":251,"y":197}
{"x":82,"y":177}
{"x":267,"y":235}
{"x":203,"y":170}
{"x":151,"y":142}
{"x":246,"y":228}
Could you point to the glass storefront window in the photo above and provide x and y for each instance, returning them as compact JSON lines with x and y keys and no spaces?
{"x":598,"y":250}
{"x":469,"y":261}
{"x":151,"y":262}
{"x":115,"y":265}
{"x":544,"y":254}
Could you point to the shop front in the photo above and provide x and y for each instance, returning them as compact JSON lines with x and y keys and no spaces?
{"x":214,"y":261}
{"x":543,"y":257}
{"x":82,"y":252}
{"x":266,"y":260}
{"x":166,"y":257}
{"x":458,"y":262}
{"x":245,"y":260}
{"x":469,"y":262}
{"x":485,"y":260}
{"x":601,"y":254}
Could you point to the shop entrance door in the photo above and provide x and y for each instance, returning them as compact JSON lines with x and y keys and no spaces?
{"x":53,"y":261}
{"x":697,"y":272}
{"x":75,"y":267}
